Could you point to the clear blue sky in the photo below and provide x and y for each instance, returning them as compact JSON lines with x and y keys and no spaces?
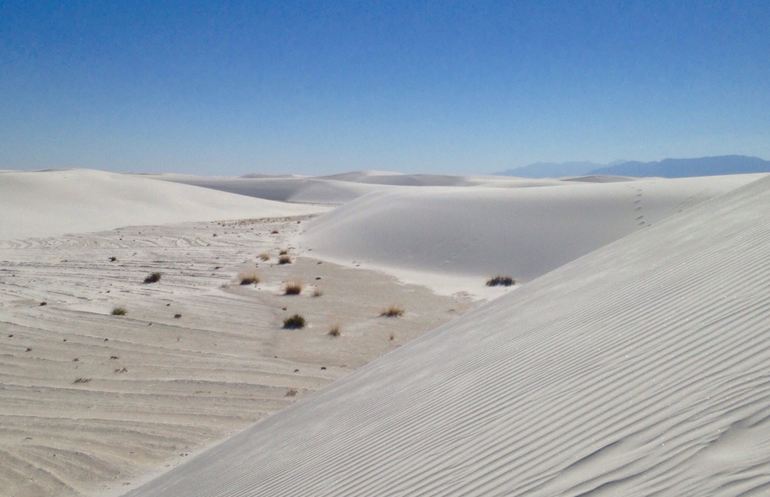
{"x":319,"y":87}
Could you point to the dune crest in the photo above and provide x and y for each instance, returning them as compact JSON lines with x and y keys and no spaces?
{"x":478,"y":232}
{"x":50,"y":203}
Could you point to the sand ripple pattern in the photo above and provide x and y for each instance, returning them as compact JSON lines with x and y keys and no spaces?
{"x":641,"y":369}
{"x":90,"y":401}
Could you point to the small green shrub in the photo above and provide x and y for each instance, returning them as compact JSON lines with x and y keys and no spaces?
{"x":293,"y":288}
{"x":119,"y":311}
{"x":501,"y":281}
{"x":294,"y":322}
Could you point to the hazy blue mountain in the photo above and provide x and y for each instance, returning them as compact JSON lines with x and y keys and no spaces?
{"x":679,"y":168}
{"x":551,"y":169}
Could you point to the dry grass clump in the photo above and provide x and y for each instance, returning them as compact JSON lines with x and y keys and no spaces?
{"x":501,"y":281}
{"x":291,"y":393}
{"x":293,"y":288}
{"x":119,"y":311}
{"x":334,"y":331}
{"x":284,"y":259}
{"x":82,"y":380}
{"x":294,"y":322}
{"x":249,"y":278}
{"x":283,"y":252}
{"x":152,"y":278}
{"x":264,"y":257}
{"x":393,"y":311}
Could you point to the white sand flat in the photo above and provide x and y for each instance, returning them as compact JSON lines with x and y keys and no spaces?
{"x":640,"y":369}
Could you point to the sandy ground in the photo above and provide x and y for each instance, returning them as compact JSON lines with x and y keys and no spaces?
{"x":639,"y":369}
{"x":91,"y":403}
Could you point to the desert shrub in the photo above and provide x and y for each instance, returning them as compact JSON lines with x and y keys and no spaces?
{"x":294,"y":322}
{"x":82,"y":380}
{"x":177,"y":316}
{"x":264,"y":257}
{"x":249,"y":278}
{"x":152,"y":278}
{"x":119,"y":311}
{"x":113,"y":259}
{"x":283,"y":252}
{"x":284,"y":259}
{"x":501,"y":281}
{"x":393,"y":311}
{"x":291,"y":393}
{"x":334,"y":331}
{"x":293,"y":288}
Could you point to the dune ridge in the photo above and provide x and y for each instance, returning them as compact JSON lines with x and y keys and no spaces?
{"x":50,"y":203}
{"x":639,"y":369}
{"x":478,"y":232}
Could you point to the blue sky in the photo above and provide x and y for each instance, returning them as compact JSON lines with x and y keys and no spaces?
{"x":320,"y":87}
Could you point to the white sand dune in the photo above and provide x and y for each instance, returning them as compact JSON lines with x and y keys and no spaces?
{"x":477,"y":232}
{"x":385,"y":178}
{"x":640,"y":369}
{"x":298,"y":190}
{"x":48,"y":203}
{"x":342,"y":188}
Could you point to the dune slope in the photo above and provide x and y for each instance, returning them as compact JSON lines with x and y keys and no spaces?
{"x":639,"y":369}
{"x":478,"y":231}
{"x":49,"y":203}
{"x":301,"y":190}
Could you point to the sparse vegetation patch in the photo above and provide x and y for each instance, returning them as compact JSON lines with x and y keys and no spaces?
{"x":249,"y":278}
{"x":152,"y":278}
{"x":334,"y":331}
{"x":393,"y":311}
{"x":284,"y":259}
{"x":294,"y":322}
{"x":293,"y":288}
{"x":119,"y":311}
{"x":501,"y":281}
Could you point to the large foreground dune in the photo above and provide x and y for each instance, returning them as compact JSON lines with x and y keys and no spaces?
{"x":639,"y":369}
{"x":49,"y":203}
{"x":481,"y":231}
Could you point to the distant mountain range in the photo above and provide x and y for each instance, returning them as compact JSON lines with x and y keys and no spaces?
{"x":667,"y":168}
